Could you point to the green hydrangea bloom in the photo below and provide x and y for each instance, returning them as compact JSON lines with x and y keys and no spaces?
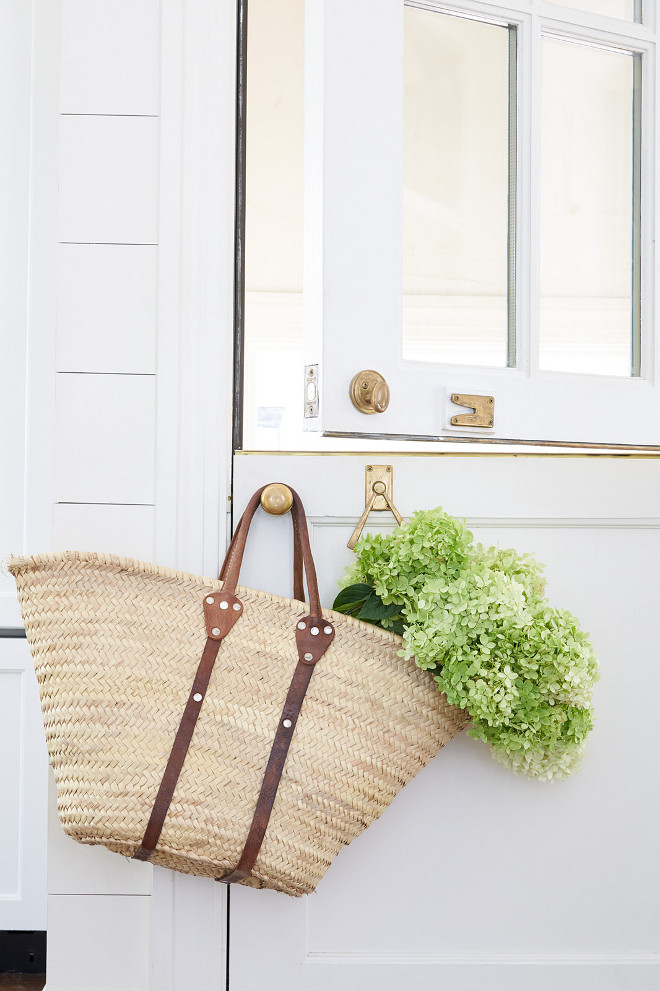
{"x":477,"y":618}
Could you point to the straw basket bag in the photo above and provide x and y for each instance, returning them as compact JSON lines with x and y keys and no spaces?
{"x":255,"y":764}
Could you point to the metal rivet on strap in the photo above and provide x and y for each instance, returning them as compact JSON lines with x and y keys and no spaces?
{"x":309,"y":657}
{"x":215,"y":631}
{"x":237,"y":606}
{"x":328,"y":629}
{"x":314,"y":631}
{"x":301,"y":626}
{"x":210,"y":600}
{"x":224,"y":605}
{"x":286,"y":723}
{"x":197,"y":697}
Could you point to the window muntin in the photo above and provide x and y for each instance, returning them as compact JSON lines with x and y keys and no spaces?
{"x":627,"y":10}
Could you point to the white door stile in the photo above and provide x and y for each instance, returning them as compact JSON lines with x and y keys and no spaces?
{"x":354,"y":237}
{"x":353,"y":194}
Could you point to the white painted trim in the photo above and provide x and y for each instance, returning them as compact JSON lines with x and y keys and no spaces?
{"x":498,"y":11}
{"x":16,"y":30}
{"x":490,"y":959}
{"x":39,"y":469}
{"x":169,"y":280}
{"x":194,"y":390}
{"x":508,"y":522}
{"x":42,"y":277}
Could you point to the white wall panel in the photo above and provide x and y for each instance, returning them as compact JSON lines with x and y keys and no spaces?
{"x":108,"y":180}
{"x":105,"y":438}
{"x":106,"y":308}
{"x":126,"y":530}
{"x":23,"y":787}
{"x":11,"y":738}
{"x":110,"y":57}
{"x":98,"y":943}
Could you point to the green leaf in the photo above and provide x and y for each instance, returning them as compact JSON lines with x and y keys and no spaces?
{"x":351,"y":599}
{"x":374,"y":609}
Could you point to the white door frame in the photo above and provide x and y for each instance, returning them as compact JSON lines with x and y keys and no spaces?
{"x":194,"y":391}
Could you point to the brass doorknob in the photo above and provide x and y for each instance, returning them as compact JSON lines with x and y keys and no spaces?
{"x":277,"y":499}
{"x":369,"y":392}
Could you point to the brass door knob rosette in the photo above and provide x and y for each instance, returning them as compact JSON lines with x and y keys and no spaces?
{"x":369,"y":392}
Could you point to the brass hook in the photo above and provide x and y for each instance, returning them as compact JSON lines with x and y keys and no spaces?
{"x":378,"y":489}
{"x":277,"y":499}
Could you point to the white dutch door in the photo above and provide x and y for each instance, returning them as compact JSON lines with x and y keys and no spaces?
{"x":473,"y":877}
{"x":478,"y":223}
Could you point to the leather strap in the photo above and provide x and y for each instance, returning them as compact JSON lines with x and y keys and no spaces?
{"x":222,"y":610}
{"x":178,"y":752}
{"x":278,"y":754}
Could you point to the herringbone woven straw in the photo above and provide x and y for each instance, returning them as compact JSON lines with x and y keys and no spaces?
{"x":116,"y":644}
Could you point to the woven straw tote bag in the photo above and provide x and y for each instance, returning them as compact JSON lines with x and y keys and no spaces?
{"x":255,"y":764}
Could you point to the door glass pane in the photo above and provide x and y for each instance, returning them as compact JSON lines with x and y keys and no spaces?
{"x":459,"y":140}
{"x":589,"y":308}
{"x":627,"y":10}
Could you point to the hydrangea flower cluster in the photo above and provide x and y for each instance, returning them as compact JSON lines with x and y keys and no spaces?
{"x":477,"y":618}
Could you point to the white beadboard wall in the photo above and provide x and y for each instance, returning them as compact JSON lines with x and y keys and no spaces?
{"x":105,"y":411}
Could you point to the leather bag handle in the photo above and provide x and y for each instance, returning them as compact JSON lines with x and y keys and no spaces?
{"x":302,"y":552}
{"x":313,"y":636}
{"x":298,"y":590}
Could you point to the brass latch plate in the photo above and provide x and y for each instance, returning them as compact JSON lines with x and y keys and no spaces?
{"x":483,"y":407}
{"x":377,"y":495}
{"x":373,"y":474}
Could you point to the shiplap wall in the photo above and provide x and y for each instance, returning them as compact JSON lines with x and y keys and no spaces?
{"x":105,"y":427}
{"x":143,"y":280}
